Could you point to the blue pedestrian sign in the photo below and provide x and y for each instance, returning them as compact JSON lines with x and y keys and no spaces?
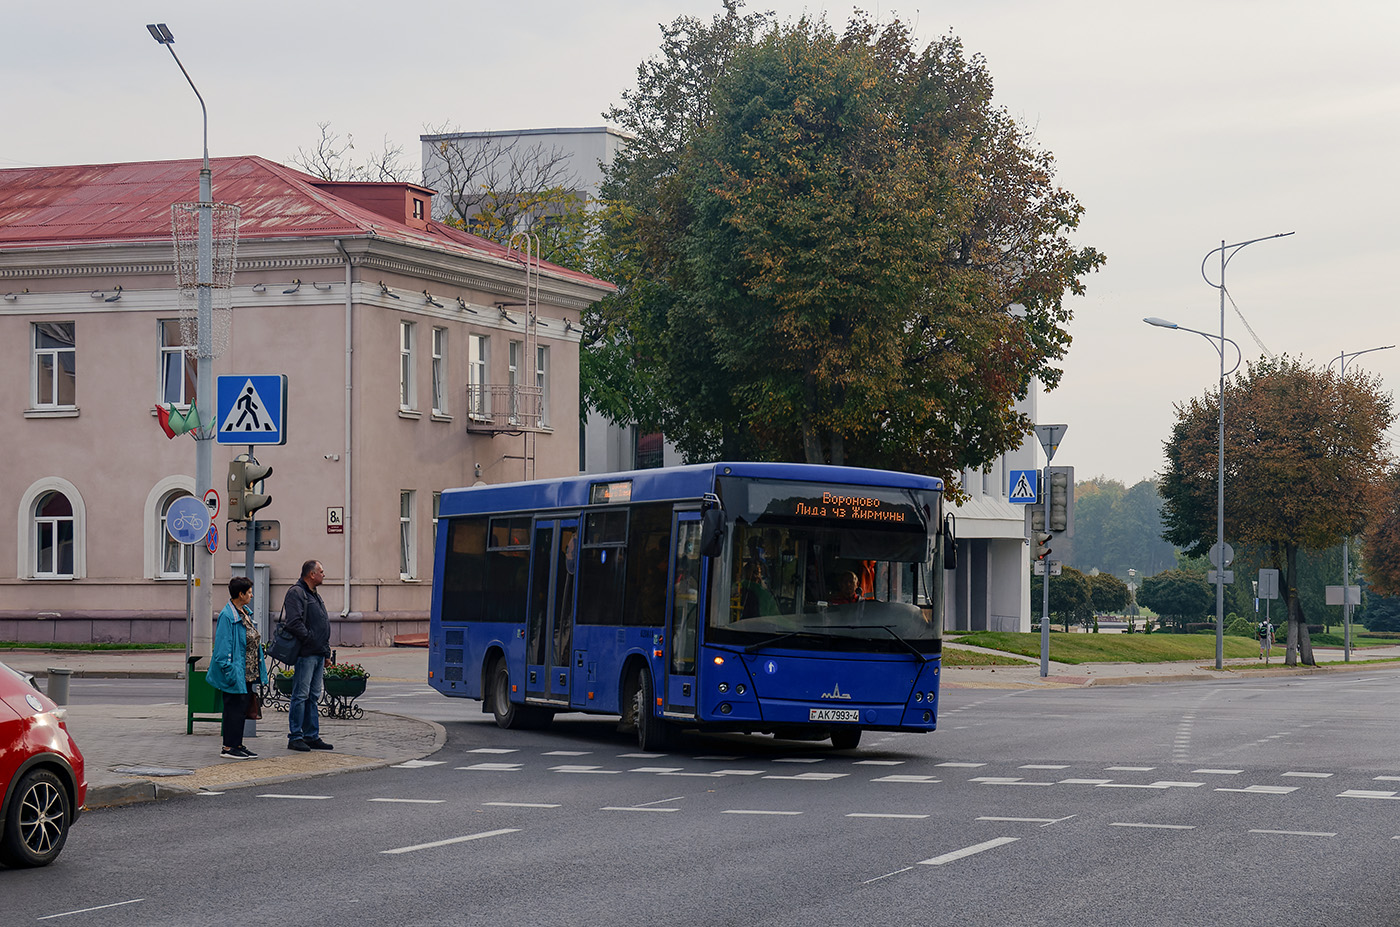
{"x":1022,"y":486}
{"x":187,"y":520}
{"x":252,"y":409}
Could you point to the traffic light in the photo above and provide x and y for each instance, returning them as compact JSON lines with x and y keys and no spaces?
{"x":1041,"y":540}
{"x":1060,"y":501}
{"x":243,"y":475}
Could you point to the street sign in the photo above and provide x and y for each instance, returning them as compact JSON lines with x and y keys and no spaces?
{"x":187,"y":520}
{"x":211,"y":502}
{"x":252,"y":409}
{"x":335,"y":519}
{"x":269,"y":535}
{"x":1268,"y":584}
{"x":212,"y":539}
{"x":1213,"y":577}
{"x":1056,"y":567}
{"x":1050,"y":437}
{"x":1334,"y":595}
{"x":1215,"y":557}
{"x":1023,"y":486}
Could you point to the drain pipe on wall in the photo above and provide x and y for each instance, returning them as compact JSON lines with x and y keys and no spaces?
{"x":348,"y":526}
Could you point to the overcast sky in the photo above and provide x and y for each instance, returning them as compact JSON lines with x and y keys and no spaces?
{"x":1177,"y":127}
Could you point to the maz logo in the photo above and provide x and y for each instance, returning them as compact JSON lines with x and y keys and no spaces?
{"x":836,"y":693}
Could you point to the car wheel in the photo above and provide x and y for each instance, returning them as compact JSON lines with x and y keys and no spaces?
{"x":36,"y":823}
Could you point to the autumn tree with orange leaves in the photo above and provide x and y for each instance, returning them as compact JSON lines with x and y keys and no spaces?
{"x":1304,"y":460}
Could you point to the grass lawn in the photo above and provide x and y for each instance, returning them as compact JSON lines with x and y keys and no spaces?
{"x":954,"y":657}
{"x":57,"y":645}
{"x":1113,"y":648}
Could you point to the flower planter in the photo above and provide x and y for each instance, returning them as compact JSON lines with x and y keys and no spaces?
{"x":282,"y":684}
{"x":345,"y":687}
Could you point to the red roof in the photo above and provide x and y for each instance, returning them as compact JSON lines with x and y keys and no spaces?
{"x":99,"y":203}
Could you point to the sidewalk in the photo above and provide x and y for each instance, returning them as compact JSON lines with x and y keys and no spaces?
{"x":139,"y":753}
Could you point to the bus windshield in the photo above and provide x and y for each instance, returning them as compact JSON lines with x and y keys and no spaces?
{"x":804,"y":575}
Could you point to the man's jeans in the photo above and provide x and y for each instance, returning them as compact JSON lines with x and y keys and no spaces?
{"x":303,"y":716}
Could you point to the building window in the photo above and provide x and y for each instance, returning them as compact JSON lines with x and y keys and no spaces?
{"x":55,"y":360}
{"x":408,"y":398}
{"x":517,"y":349}
{"x":177,"y":365}
{"x":417,"y":208}
{"x":174,"y":557}
{"x":53,"y":536}
{"x":440,"y":371}
{"x":407,"y":553}
{"x":542,"y":381}
{"x":477,"y":368}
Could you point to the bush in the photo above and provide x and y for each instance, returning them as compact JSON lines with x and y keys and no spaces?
{"x":1242,"y":627}
{"x":1200,"y":627}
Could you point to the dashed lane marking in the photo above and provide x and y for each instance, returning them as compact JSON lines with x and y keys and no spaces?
{"x":1153,"y":826}
{"x":1264,"y":789}
{"x":968,"y":851}
{"x":811,"y":777}
{"x":871,"y":814}
{"x":1130,"y":768}
{"x":783,"y":814}
{"x":493,"y":750}
{"x":1294,"y":833}
{"x":588,"y":770}
{"x":1308,"y":775}
{"x":521,"y":804}
{"x":900,"y":778}
{"x":418,"y":764}
{"x":1217,"y":772}
{"x":306,"y":797}
{"x":1366,"y":793}
{"x":450,"y":841}
{"x":494,"y":767}
{"x":964,"y":765}
{"x":409,"y":801}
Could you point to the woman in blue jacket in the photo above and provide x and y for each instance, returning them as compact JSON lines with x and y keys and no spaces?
{"x":236,"y":664}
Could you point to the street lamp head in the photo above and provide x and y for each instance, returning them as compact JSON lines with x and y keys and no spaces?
{"x":1160,"y":323}
{"x":161,"y":33}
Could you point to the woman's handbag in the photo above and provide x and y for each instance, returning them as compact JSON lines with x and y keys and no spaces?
{"x":254,"y":706}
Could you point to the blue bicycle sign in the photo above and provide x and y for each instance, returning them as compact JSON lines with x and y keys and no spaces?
{"x":187,"y":520}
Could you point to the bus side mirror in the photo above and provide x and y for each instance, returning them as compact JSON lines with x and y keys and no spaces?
{"x":712,"y":533}
{"x":950,"y":542}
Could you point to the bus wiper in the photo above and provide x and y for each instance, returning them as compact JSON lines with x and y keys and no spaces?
{"x":886,"y":628}
{"x":779,"y":637}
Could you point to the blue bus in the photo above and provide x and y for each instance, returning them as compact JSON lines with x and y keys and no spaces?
{"x":797,"y":600}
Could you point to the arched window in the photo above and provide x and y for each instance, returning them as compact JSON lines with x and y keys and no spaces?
{"x":174,"y":556}
{"x":53,"y":536}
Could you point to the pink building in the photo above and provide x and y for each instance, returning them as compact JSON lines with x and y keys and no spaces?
{"x":412,"y":366}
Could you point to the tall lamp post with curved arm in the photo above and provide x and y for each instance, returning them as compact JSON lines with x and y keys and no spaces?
{"x":1218,"y":342}
{"x":1347,"y":603}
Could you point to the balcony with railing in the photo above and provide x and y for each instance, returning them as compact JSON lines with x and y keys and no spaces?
{"x":504,"y":408}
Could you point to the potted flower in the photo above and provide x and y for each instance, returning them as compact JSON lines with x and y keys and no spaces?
{"x":282,"y":680}
{"x":345,"y":680}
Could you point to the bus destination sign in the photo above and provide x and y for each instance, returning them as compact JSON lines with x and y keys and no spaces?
{"x":857,"y":508}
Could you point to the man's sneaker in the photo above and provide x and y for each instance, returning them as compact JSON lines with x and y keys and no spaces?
{"x":319,"y":744}
{"x":298,"y":745}
{"x":245,"y":753}
{"x":236,"y":753}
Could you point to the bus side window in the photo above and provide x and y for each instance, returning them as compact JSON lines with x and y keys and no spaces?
{"x":648,"y":562}
{"x":464,"y":570}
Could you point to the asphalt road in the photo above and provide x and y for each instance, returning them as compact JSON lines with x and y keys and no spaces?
{"x":1270,"y":801}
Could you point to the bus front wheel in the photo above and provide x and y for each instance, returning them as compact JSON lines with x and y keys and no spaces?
{"x":845,"y":738}
{"x":653,"y":733}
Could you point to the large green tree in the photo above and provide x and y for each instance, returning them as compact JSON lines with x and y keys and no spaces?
{"x":829,"y":234}
{"x":1176,"y":595}
{"x":1304,"y":453}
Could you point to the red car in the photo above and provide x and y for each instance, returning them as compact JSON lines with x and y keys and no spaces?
{"x":41,"y":774}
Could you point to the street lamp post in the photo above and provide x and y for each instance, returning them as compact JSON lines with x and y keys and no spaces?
{"x":204,"y":361}
{"x":1344,"y":357}
{"x":1218,"y":342}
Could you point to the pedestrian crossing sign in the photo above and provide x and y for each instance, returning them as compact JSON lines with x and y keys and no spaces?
{"x":1022,"y":486}
{"x":252,"y":409}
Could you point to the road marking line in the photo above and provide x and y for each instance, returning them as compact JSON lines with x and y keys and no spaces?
{"x":1388,"y":778}
{"x":811,"y":777}
{"x":692,"y":775}
{"x":1018,"y":782}
{"x":1170,"y":784}
{"x":307,"y":797}
{"x":494,"y":767}
{"x":1085,"y":781}
{"x":902,"y":778}
{"x":750,"y":811}
{"x":1365,"y":793}
{"x":1040,"y":821}
{"x":494,"y":750}
{"x":718,"y":759}
{"x":567,"y":753}
{"x":208,"y":792}
{"x":1293,"y":833}
{"x":663,"y":769}
{"x":418,"y":764}
{"x":879,"y":763}
{"x":1130,"y":768}
{"x":1217,"y":772}
{"x":739,"y":772}
{"x":964,"y":765}
{"x":521,"y":804}
{"x":996,"y":779}
{"x":598,"y":770}
{"x":410,"y":801}
{"x":800,"y":759}
{"x":1309,"y":775}
{"x":1043,"y":766}
{"x":968,"y":851}
{"x":1155,"y":826}
{"x":1128,"y":785}
{"x":636,"y":808}
{"x":1264,"y":789}
{"x":450,"y":841}
{"x":101,"y":907}
{"x":895,"y":873}
{"x":641,"y":756}
{"x":866,"y":814}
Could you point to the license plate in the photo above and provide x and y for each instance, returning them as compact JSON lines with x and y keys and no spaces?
{"x":833,"y":714}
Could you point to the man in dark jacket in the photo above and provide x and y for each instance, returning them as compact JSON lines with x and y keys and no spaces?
{"x":304,"y":615}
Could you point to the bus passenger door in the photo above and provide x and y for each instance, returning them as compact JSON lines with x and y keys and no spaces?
{"x":553,"y":590}
{"x":683,"y":610}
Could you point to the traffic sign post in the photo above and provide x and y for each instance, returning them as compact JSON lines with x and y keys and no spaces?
{"x":252,"y":409}
{"x":1050,"y":437}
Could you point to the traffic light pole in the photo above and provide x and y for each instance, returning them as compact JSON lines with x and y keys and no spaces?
{"x":1045,"y":586}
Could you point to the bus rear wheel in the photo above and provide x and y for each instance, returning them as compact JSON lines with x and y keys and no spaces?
{"x":845,"y":738}
{"x":508,"y":714}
